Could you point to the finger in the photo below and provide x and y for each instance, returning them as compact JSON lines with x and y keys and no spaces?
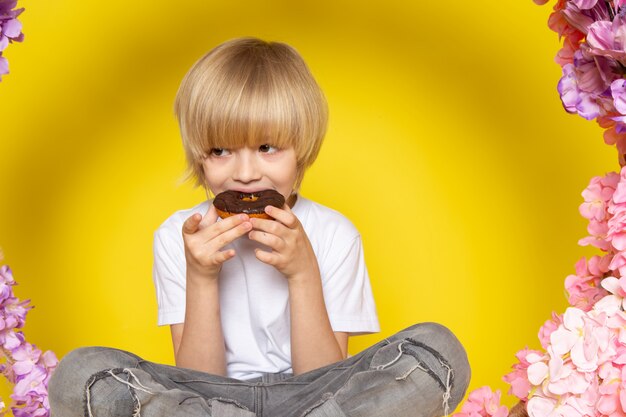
{"x":273,"y":241}
{"x":269,"y":226}
{"x":191,"y":224}
{"x":230,"y":235}
{"x":209,"y":217}
{"x":220,"y":227}
{"x":223,"y":256}
{"x":285,"y":217}
{"x":266,"y":257}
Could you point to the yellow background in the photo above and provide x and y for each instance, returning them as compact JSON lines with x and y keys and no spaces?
{"x":447,"y":147}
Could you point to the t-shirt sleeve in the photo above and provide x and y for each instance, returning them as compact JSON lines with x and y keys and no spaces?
{"x":347,"y":290}
{"x":169,"y":275}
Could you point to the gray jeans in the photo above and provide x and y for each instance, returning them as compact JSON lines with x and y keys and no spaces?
{"x":421,"y":371}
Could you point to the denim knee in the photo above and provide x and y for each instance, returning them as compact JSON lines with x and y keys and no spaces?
{"x":81,"y":363}
{"x":66,"y":389}
{"x":444,"y":344}
{"x":421,"y":371}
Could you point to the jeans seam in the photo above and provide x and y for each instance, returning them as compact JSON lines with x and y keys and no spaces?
{"x":204,"y":404}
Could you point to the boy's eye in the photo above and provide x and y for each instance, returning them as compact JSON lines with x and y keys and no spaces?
{"x":268,"y":148}
{"x":219,"y":152}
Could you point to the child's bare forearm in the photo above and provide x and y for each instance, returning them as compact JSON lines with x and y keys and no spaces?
{"x":202,"y":343}
{"x":313,"y":342}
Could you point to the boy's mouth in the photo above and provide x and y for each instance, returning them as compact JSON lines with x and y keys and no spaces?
{"x":253,"y":191}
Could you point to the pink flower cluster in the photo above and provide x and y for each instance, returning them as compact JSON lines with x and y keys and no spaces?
{"x":483,"y":403}
{"x":25,"y":365}
{"x":10,"y":30}
{"x":578,"y":373}
{"x":593,"y":60}
{"x":581,"y":370}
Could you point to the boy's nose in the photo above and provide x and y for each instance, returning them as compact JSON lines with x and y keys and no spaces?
{"x":247,"y":170}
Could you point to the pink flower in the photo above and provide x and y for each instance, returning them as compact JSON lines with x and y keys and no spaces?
{"x":31,"y":384}
{"x":584,"y":288}
{"x":618,"y":91}
{"x":577,"y":18}
{"x":549,"y":326}
{"x":15,"y":312}
{"x":598,"y":238}
{"x":616,"y":233}
{"x":618,"y":263}
{"x":617,"y":324}
{"x":565,"y":378}
{"x":520,"y":385}
{"x":612,"y":390}
{"x":597,"y":196}
{"x":11,"y":340}
{"x":557,"y":377}
{"x":4,"y":66}
{"x":573,"y":97}
{"x":560,"y":23}
{"x":584,"y":4}
{"x":619,"y":196}
{"x":6,"y":275}
{"x":482,"y":402}
{"x":566,"y":53}
{"x":518,"y":378}
{"x":549,"y":407}
{"x":10,"y":30}
{"x":613,"y":302}
{"x":49,"y":360}
{"x":26,"y":356}
{"x":608,"y":38}
{"x":10,"y":27}
{"x":25,"y":365}
{"x":593,"y":58}
{"x":614,"y":133}
{"x":585,"y":338}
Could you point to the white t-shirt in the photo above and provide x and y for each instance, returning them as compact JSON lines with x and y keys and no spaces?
{"x":254,"y":298}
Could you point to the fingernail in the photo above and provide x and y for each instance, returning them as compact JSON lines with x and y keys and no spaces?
{"x":243,"y":216}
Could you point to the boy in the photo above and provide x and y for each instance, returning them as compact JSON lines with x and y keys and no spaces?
{"x":261,"y":310}
{"x":252,"y":117}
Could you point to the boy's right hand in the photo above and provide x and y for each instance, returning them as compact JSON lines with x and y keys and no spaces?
{"x":204,"y":237}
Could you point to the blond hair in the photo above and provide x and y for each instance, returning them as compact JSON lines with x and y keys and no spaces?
{"x":249,"y":92}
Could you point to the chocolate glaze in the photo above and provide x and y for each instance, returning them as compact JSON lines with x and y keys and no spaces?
{"x":232,"y":201}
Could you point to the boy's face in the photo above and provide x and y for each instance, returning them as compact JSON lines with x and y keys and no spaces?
{"x":250,"y":169}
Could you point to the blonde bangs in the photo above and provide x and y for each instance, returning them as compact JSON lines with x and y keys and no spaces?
{"x":249,"y":92}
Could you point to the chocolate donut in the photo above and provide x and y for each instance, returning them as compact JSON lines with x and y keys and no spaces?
{"x":229,"y":203}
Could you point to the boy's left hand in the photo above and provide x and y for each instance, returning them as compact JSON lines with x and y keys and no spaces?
{"x":292,"y":253}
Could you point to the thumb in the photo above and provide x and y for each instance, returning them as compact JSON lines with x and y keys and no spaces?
{"x":191,"y":224}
